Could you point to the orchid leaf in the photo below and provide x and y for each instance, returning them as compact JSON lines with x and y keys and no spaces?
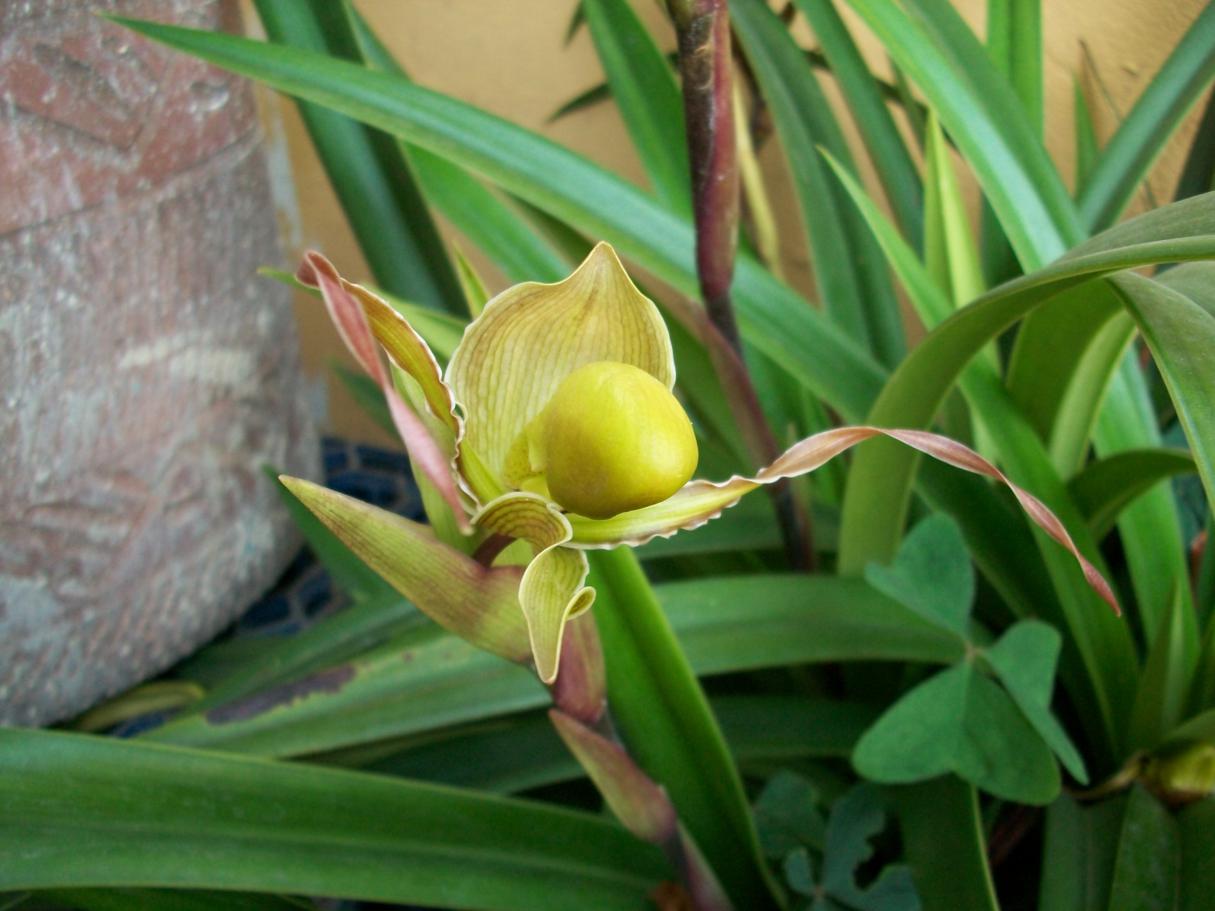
{"x":949,"y":251}
{"x":1197,"y":826}
{"x":1079,"y":843}
{"x":406,"y":680}
{"x":1087,"y":144}
{"x":960,"y":721}
{"x":476,"y":603}
{"x":931,"y":575}
{"x":166,"y":900}
{"x":481,"y":215}
{"x":797,"y":337}
{"x":475,"y":295}
{"x":1148,"y":863}
{"x":1164,"y":685}
{"x":1105,"y":486}
{"x":1014,"y":42}
{"x":980,"y":111}
{"x":524,"y":752}
{"x":371,"y":176}
{"x":270,"y":826}
{"x":867,"y":98}
{"x":943,"y":838}
{"x":1179,"y":327}
{"x":666,"y":721}
{"x":1144,"y":132}
{"x":646,"y":95}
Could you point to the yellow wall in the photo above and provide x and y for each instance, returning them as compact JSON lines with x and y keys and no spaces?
{"x":509,"y":58}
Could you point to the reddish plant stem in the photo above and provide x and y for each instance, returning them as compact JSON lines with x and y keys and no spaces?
{"x":703,"y":31}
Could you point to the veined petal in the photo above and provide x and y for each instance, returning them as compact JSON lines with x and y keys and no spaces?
{"x":363,"y":320}
{"x":477,"y":603}
{"x":700,"y":501}
{"x":551,"y":591}
{"x":531,"y":336}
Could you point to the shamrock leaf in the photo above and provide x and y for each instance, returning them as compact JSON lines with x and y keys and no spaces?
{"x":1024,"y":659}
{"x":960,"y":721}
{"x":787,"y":816}
{"x":931,"y":574}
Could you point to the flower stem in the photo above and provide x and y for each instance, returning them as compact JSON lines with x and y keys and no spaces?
{"x":706,"y":70}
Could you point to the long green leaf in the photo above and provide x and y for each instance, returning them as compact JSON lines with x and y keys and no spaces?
{"x":646,"y":95}
{"x":879,"y":480}
{"x":1107,"y":486}
{"x":1014,"y":41}
{"x":423,"y":680}
{"x":1198,"y":174}
{"x":183,"y":818}
{"x":490,"y":222}
{"x":1144,"y":132}
{"x":919,"y":385}
{"x":1148,"y":862}
{"x":797,"y":337}
{"x":372,"y":179}
{"x":1087,"y":144}
{"x":1165,"y":682}
{"x":1078,"y":852}
{"x":980,"y":111}
{"x":851,"y":277}
{"x":518,"y":754}
{"x":1177,"y":319}
{"x":1009,"y":562}
{"x":1197,"y":827}
{"x":943,"y":838}
{"x":670,"y":729}
{"x":335,"y":639}
{"x":799,"y":110}
{"x":166,"y":900}
{"x":895,"y":168}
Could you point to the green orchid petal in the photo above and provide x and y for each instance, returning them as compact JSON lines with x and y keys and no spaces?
{"x":475,"y":602}
{"x":531,"y":336}
{"x":700,"y":501}
{"x":551,"y":591}
{"x":365,"y":322}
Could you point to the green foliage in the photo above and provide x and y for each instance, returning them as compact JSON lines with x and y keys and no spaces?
{"x":820,"y":858}
{"x":728,"y":671}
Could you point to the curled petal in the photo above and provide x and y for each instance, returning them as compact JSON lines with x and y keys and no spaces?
{"x":531,"y":336}
{"x":477,"y":603}
{"x":363,"y":320}
{"x":698,"y":502}
{"x":551,"y":591}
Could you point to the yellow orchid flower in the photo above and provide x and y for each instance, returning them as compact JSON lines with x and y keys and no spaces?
{"x":554,"y":424}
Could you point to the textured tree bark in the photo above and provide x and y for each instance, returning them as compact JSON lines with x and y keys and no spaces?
{"x":146,"y":373}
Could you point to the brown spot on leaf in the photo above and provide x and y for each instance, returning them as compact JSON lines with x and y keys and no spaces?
{"x":330,"y":680}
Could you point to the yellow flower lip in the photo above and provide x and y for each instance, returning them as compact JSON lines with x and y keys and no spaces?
{"x":614,"y":439}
